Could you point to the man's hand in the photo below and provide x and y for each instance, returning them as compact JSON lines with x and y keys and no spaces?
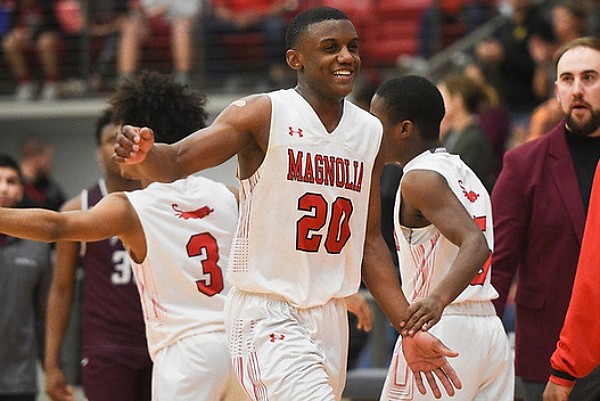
{"x":57,"y":387}
{"x":423,"y":314}
{"x":556,"y":392}
{"x":426,"y":354}
{"x":133,"y":144}
{"x":357,"y":304}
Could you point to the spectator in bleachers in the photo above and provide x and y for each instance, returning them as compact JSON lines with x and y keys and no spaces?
{"x":41,"y":190}
{"x":493,"y":116}
{"x":33,"y":25}
{"x":508,"y":54}
{"x":106,"y":21}
{"x":265,"y":17}
{"x":460,"y":131}
{"x":569,"y":21}
{"x":445,"y":21}
{"x":180,"y":15}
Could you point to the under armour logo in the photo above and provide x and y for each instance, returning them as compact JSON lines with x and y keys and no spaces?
{"x":274,"y":337}
{"x":298,"y":131}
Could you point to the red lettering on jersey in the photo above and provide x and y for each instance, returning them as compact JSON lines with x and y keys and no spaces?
{"x":470,"y":195}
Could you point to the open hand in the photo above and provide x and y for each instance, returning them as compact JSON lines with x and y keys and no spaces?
{"x":425,"y":353}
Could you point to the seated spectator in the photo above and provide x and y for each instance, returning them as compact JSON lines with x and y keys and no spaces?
{"x":180,"y":15}
{"x":444,"y":21}
{"x":508,"y":55}
{"x":460,"y":131}
{"x":265,"y":17}
{"x":37,"y":157}
{"x":33,"y":25}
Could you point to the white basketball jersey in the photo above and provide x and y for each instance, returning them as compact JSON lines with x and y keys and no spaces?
{"x":189,"y":225}
{"x":303,"y":213}
{"x":425,"y":255}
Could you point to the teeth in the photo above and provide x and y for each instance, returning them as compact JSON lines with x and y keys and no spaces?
{"x":346,"y":73}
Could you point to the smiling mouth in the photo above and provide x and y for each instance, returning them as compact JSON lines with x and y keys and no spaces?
{"x":343,"y":73}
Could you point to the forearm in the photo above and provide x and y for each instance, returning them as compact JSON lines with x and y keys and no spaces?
{"x":471,"y":257}
{"x":59,"y":302}
{"x":381,"y":278}
{"x":32,"y":224}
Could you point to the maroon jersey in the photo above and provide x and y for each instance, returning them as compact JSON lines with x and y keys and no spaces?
{"x":112,"y":314}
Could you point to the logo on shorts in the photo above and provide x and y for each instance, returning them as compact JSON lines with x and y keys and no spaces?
{"x":199,"y":213}
{"x":274,"y":337}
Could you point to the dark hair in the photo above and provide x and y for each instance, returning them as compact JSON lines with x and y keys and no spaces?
{"x":414,"y":98}
{"x":472,"y":93}
{"x":102,"y":121}
{"x":7,"y":161}
{"x":301,"y":21}
{"x":155,"y":100}
{"x":586,"y":41}
{"x":34,"y":145}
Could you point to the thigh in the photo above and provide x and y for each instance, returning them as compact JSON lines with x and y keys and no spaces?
{"x":195,"y":368}
{"x":121,"y":375}
{"x":282,"y":354}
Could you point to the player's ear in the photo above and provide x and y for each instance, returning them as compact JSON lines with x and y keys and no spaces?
{"x":406,"y":128}
{"x":294,"y":59}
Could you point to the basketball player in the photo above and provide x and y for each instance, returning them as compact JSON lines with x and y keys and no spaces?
{"x":443,"y":230}
{"x":178,"y":237}
{"x":308,"y":210}
{"x":115,"y":361}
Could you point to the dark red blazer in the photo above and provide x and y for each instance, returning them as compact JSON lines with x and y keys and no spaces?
{"x":538,"y":226}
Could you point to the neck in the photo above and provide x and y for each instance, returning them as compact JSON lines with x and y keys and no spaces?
{"x":329,"y":110}
{"x":117,"y":183}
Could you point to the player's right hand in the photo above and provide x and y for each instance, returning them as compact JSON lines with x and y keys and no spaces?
{"x":57,"y":387}
{"x":133,"y":144}
{"x":425,"y":353}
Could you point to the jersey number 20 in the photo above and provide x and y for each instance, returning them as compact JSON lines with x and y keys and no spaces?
{"x":308,"y":238}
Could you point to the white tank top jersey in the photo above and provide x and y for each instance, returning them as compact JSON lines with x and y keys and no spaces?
{"x":189,"y":225}
{"x":425,"y":256}
{"x":303,"y":213}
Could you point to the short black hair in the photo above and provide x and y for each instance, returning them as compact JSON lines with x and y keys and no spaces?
{"x":311,"y":16}
{"x":7,"y":161}
{"x":101,"y":122}
{"x":155,"y":100}
{"x":414,"y":98}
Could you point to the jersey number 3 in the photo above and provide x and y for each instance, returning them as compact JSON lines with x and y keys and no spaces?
{"x":205,"y":246}
{"x":338,"y":227}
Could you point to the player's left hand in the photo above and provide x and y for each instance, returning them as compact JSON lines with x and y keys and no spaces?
{"x":556,"y":392}
{"x":358,"y":305}
{"x":426,"y":354}
{"x":423,"y":315}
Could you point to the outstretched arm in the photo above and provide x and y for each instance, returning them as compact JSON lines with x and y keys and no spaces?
{"x":242,"y":128}
{"x":112,"y":216}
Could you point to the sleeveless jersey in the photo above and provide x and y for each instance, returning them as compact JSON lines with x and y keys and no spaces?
{"x":111,"y":312}
{"x":303,"y":213}
{"x":425,"y":255}
{"x":189,"y":225}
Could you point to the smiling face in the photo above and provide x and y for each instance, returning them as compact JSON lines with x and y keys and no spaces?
{"x":326,"y":58}
{"x":578,"y":90}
